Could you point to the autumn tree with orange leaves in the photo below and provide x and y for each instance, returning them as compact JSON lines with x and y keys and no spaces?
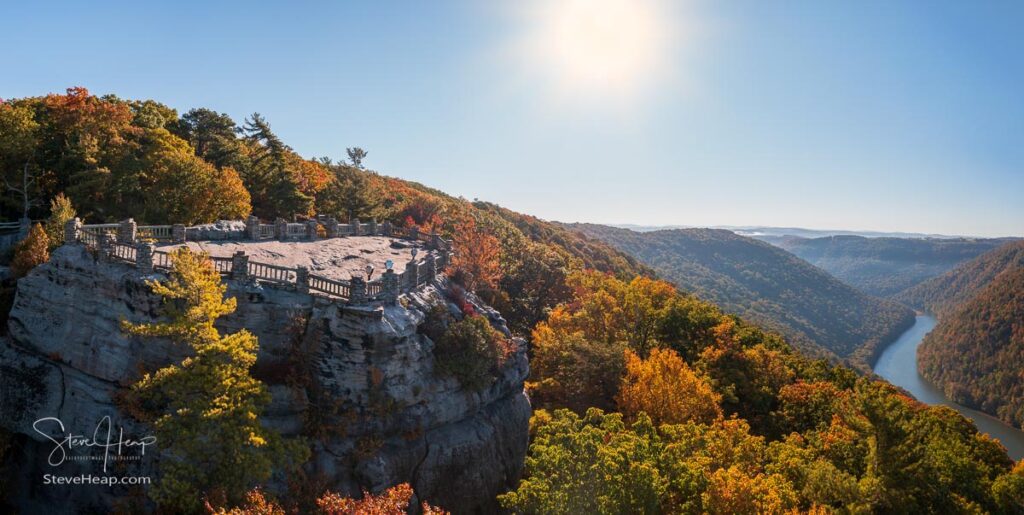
{"x":667,"y":389}
{"x":476,"y":256}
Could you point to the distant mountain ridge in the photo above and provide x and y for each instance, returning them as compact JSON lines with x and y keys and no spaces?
{"x":818,"y":313}
{"x":885,"y":266}
{"x":760,"y":231}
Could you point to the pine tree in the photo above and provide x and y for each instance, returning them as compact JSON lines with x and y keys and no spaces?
{"x":269,"y":176}
{"x":206,"y":409}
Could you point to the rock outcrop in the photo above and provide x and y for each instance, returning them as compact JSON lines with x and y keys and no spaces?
{"x":357,"y":382}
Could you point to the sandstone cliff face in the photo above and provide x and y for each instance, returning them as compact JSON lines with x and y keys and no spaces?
{"x":364,"y":372}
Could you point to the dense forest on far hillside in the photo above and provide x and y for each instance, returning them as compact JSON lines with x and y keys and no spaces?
{"x":817,"y":313}
{"x":958,"y":286}
{"x":886,"y":266}
{"x":976,"y":352}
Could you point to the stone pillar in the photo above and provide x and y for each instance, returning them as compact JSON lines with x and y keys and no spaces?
{"x":412,"y":274}
{"x":385,"y":228}
{"x":429,"y":267}
{"x":24,"y":225}
{"x":178,"y":233}
{"x":373,"y":227}
{"x":252,"y":228}
{"x":127,"y":231}
{"x":356,"y":230}
{"x":333,"y":228}
{"x":357,"y":291}
{"x":281,"y":229}
{"x":312,"y":229}
{"x":389,"y":287}
{"x":442,"y":260}
{"x":71,"y":228}
{"x":302,"y":279}
{"x":414,"y":233}
{"x":106,"y":244}
{"x":144,"y":257}
{"x":239,"y":265}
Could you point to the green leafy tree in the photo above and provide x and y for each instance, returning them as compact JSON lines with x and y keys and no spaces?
{"x":206,"y":409}
{"x":349,"y":194}
{"x":61,"y":211}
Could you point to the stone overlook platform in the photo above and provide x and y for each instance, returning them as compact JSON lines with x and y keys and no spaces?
{"x":357,"y":263}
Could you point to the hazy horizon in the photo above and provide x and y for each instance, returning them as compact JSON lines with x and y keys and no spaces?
{"x":872,"y":115}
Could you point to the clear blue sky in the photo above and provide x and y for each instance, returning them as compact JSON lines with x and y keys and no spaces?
{"x":895,"y":116}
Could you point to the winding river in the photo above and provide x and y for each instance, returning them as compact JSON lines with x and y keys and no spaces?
{"x":898,"y":365}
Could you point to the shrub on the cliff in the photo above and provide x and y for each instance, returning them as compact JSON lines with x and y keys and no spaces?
{"x":206,"y":409}
{"x":61,"y":211}
{"x":469,"y":351}
{"x":30,"y":252}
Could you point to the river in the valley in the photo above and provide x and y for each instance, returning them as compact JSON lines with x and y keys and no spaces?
{"x":898,"y":365}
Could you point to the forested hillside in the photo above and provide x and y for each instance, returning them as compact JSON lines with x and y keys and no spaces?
{"x":976,"y":352}
{"x":958,"y":286}
{"x":817,"y":313}
{"x":885,"y":266}
{"x":115,"y":158}
{"x":647,"y":399}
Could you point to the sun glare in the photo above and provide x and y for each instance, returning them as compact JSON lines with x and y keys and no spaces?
{"x":606,"y":51}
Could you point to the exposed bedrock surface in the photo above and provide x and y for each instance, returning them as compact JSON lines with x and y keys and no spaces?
{"x":361,"y":378}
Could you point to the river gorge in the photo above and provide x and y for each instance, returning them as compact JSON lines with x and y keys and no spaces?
{"x":898,"y":365}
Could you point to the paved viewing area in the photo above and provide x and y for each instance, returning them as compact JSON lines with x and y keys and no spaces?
{"x":336,"y":258}
{"x":355,"y":263}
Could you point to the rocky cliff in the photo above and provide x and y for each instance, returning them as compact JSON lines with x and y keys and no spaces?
{"x":356,"y":381}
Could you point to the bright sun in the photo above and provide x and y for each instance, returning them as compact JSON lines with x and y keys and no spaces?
{"x":607,"y":51}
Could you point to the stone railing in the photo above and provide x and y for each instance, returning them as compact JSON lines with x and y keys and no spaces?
{"x":127,"y":242}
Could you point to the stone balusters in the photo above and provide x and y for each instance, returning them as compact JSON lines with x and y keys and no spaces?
{"x":356,"y":229}
{"x":127,"y":231}
{"x":178,"y":233}
{"x":373,"y":227}
{"x":106,"y":245}
{"x":71,"y":229}
{"x":389,"y":287}
{"x":144,"y":257}
{"x":240,"y":265}
{"x":312,"y":229}
{"x":357,"y":291}
{"x":302,"y":279}
{"x":252,"y":228}
{"x":281,"y":229}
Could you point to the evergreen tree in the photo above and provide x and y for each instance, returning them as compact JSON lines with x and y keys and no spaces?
{"x":270,"y":175}
{"x":206,"y":409}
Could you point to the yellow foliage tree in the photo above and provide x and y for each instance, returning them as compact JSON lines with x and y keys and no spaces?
{"x":664,"y":387}
{"x":32,"y":251}
{"x":206,"y":409}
